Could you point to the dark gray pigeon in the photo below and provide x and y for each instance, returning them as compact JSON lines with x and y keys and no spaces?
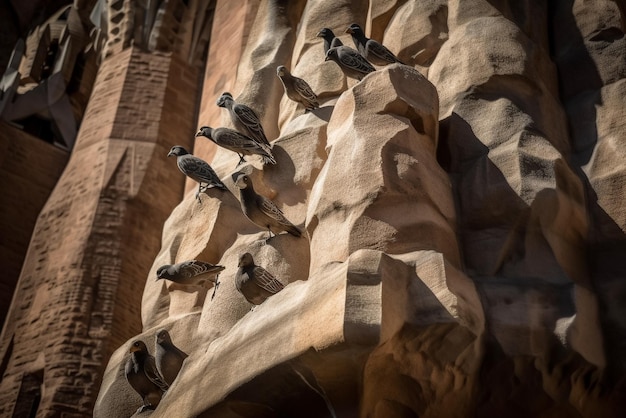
{"x":237,"y":142}
{"x":244,"y":119}
{"x":371,"y":49}
{"x":142,"y":375}
{"x":353,"y":64}
{"x":297,"y":89}
{"x":262,"y":211}
{"x":196,"y":169}
{"x":330,"y":40}
{"x":169,"y":358}
{"x":254,"y":282}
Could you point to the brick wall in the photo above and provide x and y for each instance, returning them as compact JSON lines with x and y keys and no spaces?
{"x":79,"y":293}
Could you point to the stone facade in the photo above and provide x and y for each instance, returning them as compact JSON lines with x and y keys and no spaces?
{"x":463,"y":221}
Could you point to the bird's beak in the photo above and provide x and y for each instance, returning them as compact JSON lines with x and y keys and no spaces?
{"x":158,"y":278}
{"x":327,"y":57}
{"x":199,"y":133}
{"x":169,"y":154}
{"x":349,"y":30}
{"x":133,"y":349}
{"x":319,"y":34}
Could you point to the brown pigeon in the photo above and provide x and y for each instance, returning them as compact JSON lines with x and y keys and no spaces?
{"x":297,"y":89}
{"x":143,"y":376}
{"x":169,"y":358}
{"x":262,"y":211}
{"x":254,"y":282}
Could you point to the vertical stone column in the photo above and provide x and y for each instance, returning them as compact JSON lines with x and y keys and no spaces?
{"x":79,"y":294}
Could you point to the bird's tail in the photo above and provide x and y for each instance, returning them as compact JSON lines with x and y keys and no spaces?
{"x":294,"y":230}
{"x":268,"y":159}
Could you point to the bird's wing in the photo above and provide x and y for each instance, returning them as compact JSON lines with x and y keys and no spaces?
{"x":303,"y":88}
{"x":150,"y":369}
{"x":336,"y":42}
{"x":270,"y":209}
{"x":248,"y":117}
{"x":266,"y":280}
{"x":242,"y":144}
{"x":198,"y":169}
{"x":380,"y":51}
{"x":352,"y":59}
{"x":193,"y":268}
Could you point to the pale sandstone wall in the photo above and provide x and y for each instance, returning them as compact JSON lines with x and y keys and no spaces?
{"x":451,"y":233}
{"x":463,"y":216}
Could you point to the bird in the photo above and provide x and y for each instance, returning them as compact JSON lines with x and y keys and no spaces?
{"x":244,"y":119}
{"x":353,"y":64}
{"x":191,"y":273}
{"x":372,"y":50}
{"x":196,"y":169}
{"x":142,"y":375}
{"x":297,"y":89}
{"x":330,"y":40}
{"x":237,"y":142}
{"x":169,"y":358}
{"x":254,"y":282}
{"x":262,"y":211}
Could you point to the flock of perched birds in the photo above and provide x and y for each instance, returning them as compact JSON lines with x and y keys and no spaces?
{"x":150,"y":376}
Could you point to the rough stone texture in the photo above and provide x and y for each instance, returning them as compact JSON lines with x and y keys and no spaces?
{"x":464,"y":227}
{"x":95,"y":235}
{"x":24,"y":193}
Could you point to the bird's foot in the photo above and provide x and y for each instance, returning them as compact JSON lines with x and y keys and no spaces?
{"x":144,"y":408}
{"x":217,"y":283}
{"x":198,"y":197}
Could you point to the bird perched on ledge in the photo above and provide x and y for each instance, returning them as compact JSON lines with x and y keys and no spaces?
{"x":196,"y":169}
{"x":330,"y":40}
{"x":262,"y":211}
{"x":169,"y":358}
{"x":372,"y":50}
{"x":191,"y":273}
{"x":353,"y":64}
{"x":142,"y":375}
{"x":244,"y":119}
{"x":254,"y":282}
{"x":237,"y":142}
{"x":297,"y":89}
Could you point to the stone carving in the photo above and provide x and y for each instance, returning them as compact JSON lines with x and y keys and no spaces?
{"x":455,"y":239}
{"x":462,"y":245}
{"x":178,"y":26}
{"x":47,"y":84}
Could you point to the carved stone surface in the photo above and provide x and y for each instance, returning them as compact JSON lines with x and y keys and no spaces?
{"x":464,"y":222}
{"x":95,"y":234}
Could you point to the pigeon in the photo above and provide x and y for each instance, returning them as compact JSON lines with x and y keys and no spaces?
{"x":370,"y":49}
{"x":196,"y":169}
{"x":244,"y":119}
{"x":330,"y":40}
{"x":353,"y":64}
{"x":169,"y":358}
{"x":254,"y":282}
{"x":297,"y":89}
{"x":191,"y":273}
{"x":262,"y":211}
{"x":237,"y":142}
{"x":143,"y":376}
